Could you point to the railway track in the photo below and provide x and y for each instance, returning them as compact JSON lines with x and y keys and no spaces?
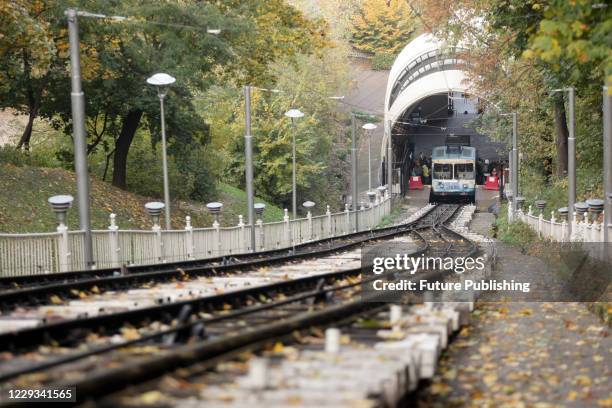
{"x":60,"y":287}
{"x":105,"y":353}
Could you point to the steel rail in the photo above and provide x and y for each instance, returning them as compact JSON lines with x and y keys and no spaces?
{"x":105,"y":381}
{"x":422,"y":225}
{"x":35,"y":295}
{"x":59,"y":332}
{"x":13,"y":282}
{"x":5,"y":376}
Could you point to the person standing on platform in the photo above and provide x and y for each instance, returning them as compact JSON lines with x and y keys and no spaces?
{"x":425,"y":173}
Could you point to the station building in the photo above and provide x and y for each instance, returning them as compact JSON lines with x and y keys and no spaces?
{"x":429,"y":96}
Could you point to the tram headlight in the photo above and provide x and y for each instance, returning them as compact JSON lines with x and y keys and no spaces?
{"x":465,"y":186}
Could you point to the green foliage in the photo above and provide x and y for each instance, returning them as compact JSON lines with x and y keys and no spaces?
{"x":117,"y":57}
{"x":388,"y":220}
{"x":306,"y":82}
{"x":19,"y":158}
{"x":190,"y":178}
{"x":573,"y":39}
{"x":383,"y":26}
{"x":383,"y":61}
{"x":238,"y":200}
{"x":516,"y":233}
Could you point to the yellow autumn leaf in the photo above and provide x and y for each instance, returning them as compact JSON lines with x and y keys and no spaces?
{"x":439,"y":388}
{"x":526,"y":312}
{"x":490,"y":379}
{"x":278,"y":347}
{"x":583,"y":380}
{"x":605,"y":402}
{"x":56,"y":300}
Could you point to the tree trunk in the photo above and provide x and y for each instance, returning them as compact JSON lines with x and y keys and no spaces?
{"x":561,"y":135}
{"x":33,"y":104}
{"x":122,"y":147}
{"x":24,"y":141}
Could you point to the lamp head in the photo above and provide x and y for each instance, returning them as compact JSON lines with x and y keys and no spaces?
{"x":161,"y":79}
{"x":294,"y":113}
{"x":369,"y":126}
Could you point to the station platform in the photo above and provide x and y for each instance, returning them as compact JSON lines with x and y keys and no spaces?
{"x":484,"y":198}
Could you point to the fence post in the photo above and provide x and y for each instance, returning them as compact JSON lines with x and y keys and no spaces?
{"x":114,"y":242}
{"x":540,"y":222}
{"x":309,"y":218}
{"x":217,"y":237}
{"x":361,"y":212}
{"x":155,"y":209}
{"x":563,"y":230}
{"x":286,"y":229}
{"x":157,"y":251}
{"x":62,"y":247}
{"x":189,"y":238}
{"x":330,"y":231}
{"x":243,"y":237}
{"x":262,"y":237}
{"x":348,"y":219}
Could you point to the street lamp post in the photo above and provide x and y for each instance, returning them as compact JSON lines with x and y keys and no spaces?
{"x":571,"y":153}
{"x":369,"y":127}
{"x":161,"y":81}
{"x":515,"y":162}
{"x":77,"y":98}
{"x":354,"y":181}
{"x":294,"y":114}
{"x":248,"y":152}
{"x":607,"y":141}
{"x":390,"y":157}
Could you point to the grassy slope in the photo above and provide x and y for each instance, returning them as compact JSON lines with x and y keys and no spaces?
{"x":24,"y":192}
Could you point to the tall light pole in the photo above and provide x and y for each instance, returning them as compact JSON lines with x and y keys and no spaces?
{"x":161,"y":81}
{"x":354,"y":181}
{"x":369,"y":127}
{"x":294,"y":114}
{"x":354,"y":175}
{"x":571,"y":154}
{"x":390,"y":157}
{"x":77,"y":99}
{"x":515,"y":161}
{"x":248,"y":153}
{"x":607,"y":165}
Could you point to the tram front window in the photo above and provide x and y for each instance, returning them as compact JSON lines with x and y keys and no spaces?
{"x":464,"y":171}
{"x":443,"y":171}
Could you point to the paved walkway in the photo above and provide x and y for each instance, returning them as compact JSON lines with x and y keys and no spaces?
{"x":525,"y":354}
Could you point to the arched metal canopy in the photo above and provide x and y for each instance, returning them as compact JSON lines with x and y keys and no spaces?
{"x":425,"y":67}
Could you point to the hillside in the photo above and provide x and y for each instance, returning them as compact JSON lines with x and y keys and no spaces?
{"x":25,"y":190}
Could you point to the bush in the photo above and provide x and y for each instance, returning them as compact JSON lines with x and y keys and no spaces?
{"x":145,"y":176}
{"x":517,"y":233}
{"x":382,"y":61}
{"x":190,"y":173}
{"x":197,"y":166}
{"x":21,"y":158}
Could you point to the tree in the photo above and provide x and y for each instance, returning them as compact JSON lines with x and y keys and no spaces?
{"x":306,"y":82}
{"x":383,"y":26}
{"x":26,"y":53}
{"x":534,"y":47}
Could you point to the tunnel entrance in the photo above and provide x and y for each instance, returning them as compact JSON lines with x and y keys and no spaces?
{"x":429,"y":122}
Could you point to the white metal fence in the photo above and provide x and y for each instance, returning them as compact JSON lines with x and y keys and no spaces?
{"x":27,"y":254}
{"x":555,"y":230}
{"x":590,"y":234}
